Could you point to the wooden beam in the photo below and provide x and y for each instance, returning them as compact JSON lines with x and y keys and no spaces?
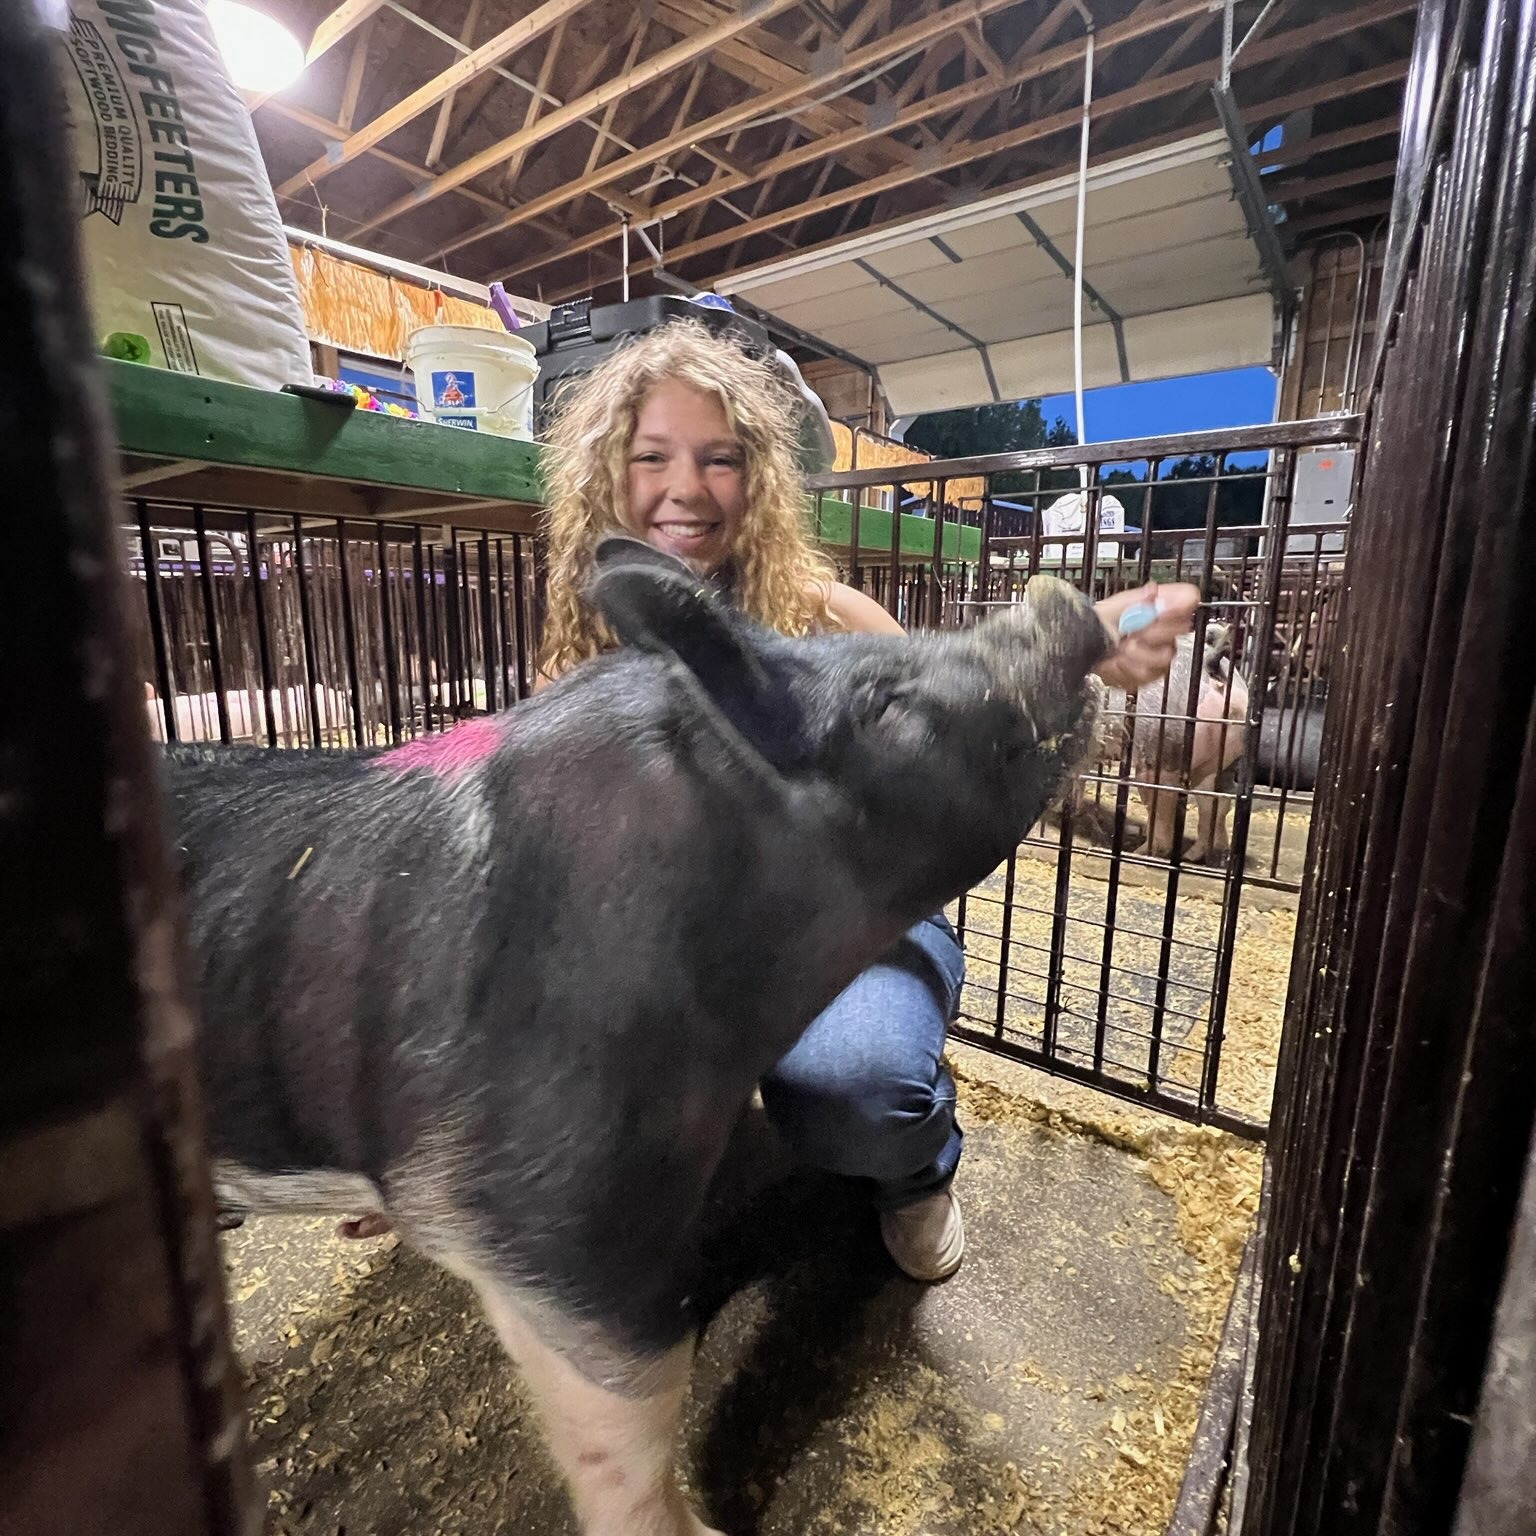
{"x":1298,"y":39}
{"x":535,"y":101}
{"x":767,"y":50}
{"x":335,"y":28}
{"x":636,"y":43}
{"x":817,"y":188}
{"x":690,"y":96}
{"x":1047,"y":28}
{"x":1314,"y":186}
{"x":1278,"y":106}
{"x":1025,"y":64}
{"x":761,"y":59}
{"x":916,"y":84}
{"x":425,"y":97}
{"x":875,"y":15}
{"x":445,"y":107}
{"x":1321,"y":143}
{"x":976,"y":41}
{"x":654,"y":68}
{"x":357,"y":67}
{"x":340,"y":24}
{"x":928,"y":29}
{"x":1181,"y":44}
{"x":332,"y":133}
{"x":1376,"y":209}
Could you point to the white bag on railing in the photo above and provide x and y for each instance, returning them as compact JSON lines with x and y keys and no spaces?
{"x":183,"y":246}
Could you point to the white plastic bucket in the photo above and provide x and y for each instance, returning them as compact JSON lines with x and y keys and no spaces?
{"x":469,"y":377}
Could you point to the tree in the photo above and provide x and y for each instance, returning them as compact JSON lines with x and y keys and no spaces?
{"x":1007,"y":428}
{"x":1182,"y":498}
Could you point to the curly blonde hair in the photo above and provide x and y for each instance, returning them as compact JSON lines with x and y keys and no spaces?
{"x":780,"y":578}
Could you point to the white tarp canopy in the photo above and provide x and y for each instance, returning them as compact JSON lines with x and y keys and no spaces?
{"x":974,"y":304}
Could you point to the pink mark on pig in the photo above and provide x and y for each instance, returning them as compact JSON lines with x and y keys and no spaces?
{"x":449,"y":755}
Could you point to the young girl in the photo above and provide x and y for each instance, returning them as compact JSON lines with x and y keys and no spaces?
{"x":684,"y":440}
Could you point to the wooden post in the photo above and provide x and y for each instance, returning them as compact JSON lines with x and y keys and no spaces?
{"x":1406,"y":1090}
{"x":122,"y":1407}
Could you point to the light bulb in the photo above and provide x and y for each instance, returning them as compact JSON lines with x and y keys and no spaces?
{"x":261,"y":54}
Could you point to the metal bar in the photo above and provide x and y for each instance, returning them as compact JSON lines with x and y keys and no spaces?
{"x":451,"y":636}
{"x":1283,"y":434}
{"x":349,"y":634}
{"x":1000,"y":1024}
{"x":1092,"y":294}
{"x":520,"y":616}
{"x":211,"y":626}
{"x":1135,"y":1093}
{"x":508,"y":693}
{"x":933,"y":314}
{"x":462,"y":608}
{"x":263,"y":644}
{"x":1237,"y":854}
{"x":1254,"y":201}
{"x":855,"y":570}
{"x":387,"y":625}
{"x":487,"y":623}
{"x":1059,"y":916}
{"x":1181,"y":792}
{"x":307,"y":628}
{"x":926,"y":598}
{"x":419,"y":581}
{"x":157,"y":621}
{"x":442,"y":681}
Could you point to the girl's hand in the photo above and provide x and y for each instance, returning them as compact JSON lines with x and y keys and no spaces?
{"x":1145,"y":656}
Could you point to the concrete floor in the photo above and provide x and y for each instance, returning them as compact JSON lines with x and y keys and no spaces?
{"x":1051,"y":1386}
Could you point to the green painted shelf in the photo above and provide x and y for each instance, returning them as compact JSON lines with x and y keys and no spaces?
{"x":191,"y":441}
{"x":186,"y":439}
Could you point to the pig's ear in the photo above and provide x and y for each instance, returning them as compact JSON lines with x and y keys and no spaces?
{"x":657,"y":604}
{"x":617,"y":551}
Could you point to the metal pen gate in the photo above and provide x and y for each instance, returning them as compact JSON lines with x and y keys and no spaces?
{"x":1087,"y":955}
{"x":1100,"y":960}
{"x":289,"y":631}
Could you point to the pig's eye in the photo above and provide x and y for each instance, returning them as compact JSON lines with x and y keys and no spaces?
{"x":1017,"y":743}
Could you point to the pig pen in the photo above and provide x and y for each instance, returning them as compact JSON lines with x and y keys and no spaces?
{"x":1053,"y":1385}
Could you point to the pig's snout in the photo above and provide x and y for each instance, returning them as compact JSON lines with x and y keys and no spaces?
{"x":1043,"y":649}
{"x":1059,"y":621}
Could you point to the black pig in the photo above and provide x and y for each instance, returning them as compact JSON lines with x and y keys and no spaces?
{"x":514,"y":985}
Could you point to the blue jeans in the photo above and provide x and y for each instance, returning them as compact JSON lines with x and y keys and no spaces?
{"x":864,"y":1091}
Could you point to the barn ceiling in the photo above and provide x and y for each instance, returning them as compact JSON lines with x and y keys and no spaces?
{"x":972,"y":305}
{"x":501,"y":140}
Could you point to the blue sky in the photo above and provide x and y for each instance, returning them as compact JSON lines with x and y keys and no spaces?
{"x":1244,"y":397}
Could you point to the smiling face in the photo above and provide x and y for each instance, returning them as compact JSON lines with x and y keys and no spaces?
{"x":686,"y":477}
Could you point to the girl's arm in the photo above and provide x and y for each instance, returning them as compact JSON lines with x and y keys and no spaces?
{"x":1137,"y":659}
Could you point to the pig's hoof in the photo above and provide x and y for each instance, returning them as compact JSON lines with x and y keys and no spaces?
{"x":374,"y":1224}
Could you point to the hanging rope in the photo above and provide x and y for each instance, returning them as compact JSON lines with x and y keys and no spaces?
{"x":1077,"y":265}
